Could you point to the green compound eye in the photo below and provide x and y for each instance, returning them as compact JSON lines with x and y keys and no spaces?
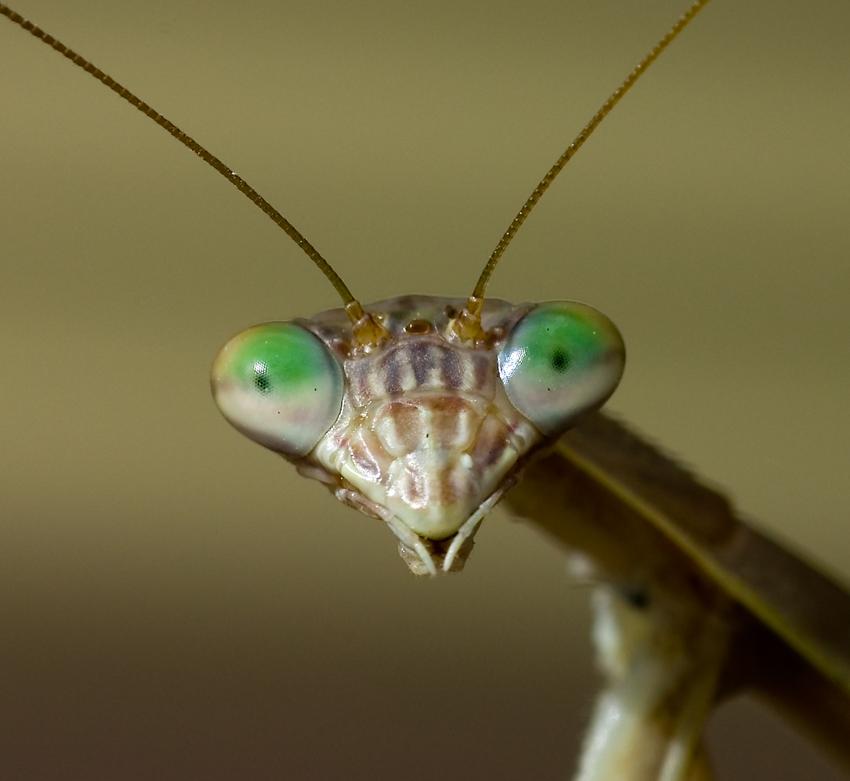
{"x":561,"y":360}
{"x":279,"y":385}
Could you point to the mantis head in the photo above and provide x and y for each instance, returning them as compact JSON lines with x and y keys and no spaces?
{"x":424,"y":430}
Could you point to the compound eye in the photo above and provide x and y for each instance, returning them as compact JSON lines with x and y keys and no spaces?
{"x":280,"y":385}
{"x":561,"y":360}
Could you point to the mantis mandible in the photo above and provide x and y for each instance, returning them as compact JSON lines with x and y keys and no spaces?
{"x":421,"y":559}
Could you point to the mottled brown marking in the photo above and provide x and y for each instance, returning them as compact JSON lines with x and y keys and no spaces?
{"x":358,"y":380}
{"x":447,"y":415}
{"x":422,"y":358}
{"x":400,"y":427}
{"x":454,"y":485}
{"x":391,"y":372}
{"x":363,"y":459}
{"x":451,"y":368}
{"x":483,"y":368}
{"x":493,"y":438}
{"x":412,"y":487}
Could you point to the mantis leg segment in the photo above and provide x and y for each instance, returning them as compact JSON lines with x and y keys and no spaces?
{"x":662,"y":669}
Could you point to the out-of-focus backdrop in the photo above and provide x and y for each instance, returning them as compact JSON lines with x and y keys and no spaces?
{"x":174,"y":601}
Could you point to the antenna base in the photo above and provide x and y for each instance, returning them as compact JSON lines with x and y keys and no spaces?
{"x":467,"y":325}
{"x":367,"y":329}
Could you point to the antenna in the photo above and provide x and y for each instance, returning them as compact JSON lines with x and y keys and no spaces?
{"x":367,"y":330}
{"x":468,"y":323}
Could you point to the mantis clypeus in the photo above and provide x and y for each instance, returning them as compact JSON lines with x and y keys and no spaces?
{"x":423,"y":557}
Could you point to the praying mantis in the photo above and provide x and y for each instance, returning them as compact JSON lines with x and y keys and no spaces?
{"x":291,"y":272}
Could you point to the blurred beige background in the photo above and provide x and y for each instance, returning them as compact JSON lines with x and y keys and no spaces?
{"x":175,"y":602}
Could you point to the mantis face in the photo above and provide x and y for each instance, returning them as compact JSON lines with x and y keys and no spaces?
{"x":424,"y":430}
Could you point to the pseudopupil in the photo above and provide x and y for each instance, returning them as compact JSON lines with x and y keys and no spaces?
{"x":560,"y":360}
{"x":261,"y":378}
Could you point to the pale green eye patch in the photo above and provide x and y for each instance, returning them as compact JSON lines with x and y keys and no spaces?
{"x":561,"y":360}
{"x":280,"y":385}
